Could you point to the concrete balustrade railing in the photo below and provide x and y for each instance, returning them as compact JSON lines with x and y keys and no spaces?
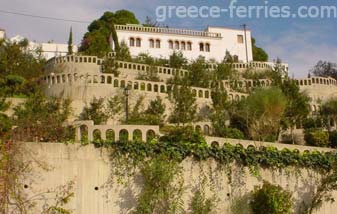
{"x":316,"y":81}
{"x":217,"y":141}
{"x":67,"y":79}
{"x":255,"y":65}
{"x":248,"y":83}
{"x":158,"y":69}
{"x":140,"y":28}
{"x":86,"y":130}
{"x":113,"y":132}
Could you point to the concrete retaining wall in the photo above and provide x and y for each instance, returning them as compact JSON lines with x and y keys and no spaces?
{"x":90,"y":169}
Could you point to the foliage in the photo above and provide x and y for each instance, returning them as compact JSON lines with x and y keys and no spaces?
{"x":325,"y":69}
{"x":271,"y":199}
{"x":110,"y":66}
{"x":258,"y":53}
{"x":198,"y":75}
{"x":333,"y":139}
{"x":114,"y":106}
{"x":316,"y":137}
{"x":200,"y":204}
{"x":95,"y":111}
{"x":96,"y":40}
{"x":329,"y":111}
{"x":123,"y":53}
{"x":263,"y":111}
{"x":184,"y":107}
{"x":177,"y":60}
{"x":42,"y":119}
{"x":160,"y":194}
{"x":20,"y":68}
{"x":153,"y":115}
{"x":149,"y":75}
{"x":5,"y":122}
{"x":326,"y":186}
{"x":70,"y":42}
{"x":297,"y":108}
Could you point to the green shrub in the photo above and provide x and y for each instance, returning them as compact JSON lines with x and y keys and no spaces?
{"x":271,"y":199}
{"x":316,"y":137}
{"x":333,"y":139}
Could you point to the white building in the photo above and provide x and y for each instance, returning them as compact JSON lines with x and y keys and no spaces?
{"x":2,"y":34}
{"x":211,"y":43}
{"x":49,"y":50}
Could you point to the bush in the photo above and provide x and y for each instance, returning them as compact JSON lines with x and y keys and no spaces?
{"x":316,"y":137}
{"x":271,"y":199}
{"x":333,"y":139}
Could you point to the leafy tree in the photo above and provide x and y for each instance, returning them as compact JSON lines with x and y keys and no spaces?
{"x":297,"y":108}
{"x":198,"y":75}
{"x":184,"y":107}
{"x":155,"y":112}
{"x":20,"y":69}
{"x":95,"y":111}
{"x":96,"y":40}
{"x":271,"y":199}
{"x":149,"y":22}
{"x":123,"y":52}
{"x":262,"y":111}
{"x":329,"y":112}
{"x":316,"y":137}
{"x":70,"y":42}
{"x":258,"y":53}
{"x":42,"y":119}
{"x":5,"y":122}
{"x":325,"y":69}
{"x":177,"y":60}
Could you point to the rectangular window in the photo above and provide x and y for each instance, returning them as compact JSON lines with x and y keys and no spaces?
{"x":240,"y":39}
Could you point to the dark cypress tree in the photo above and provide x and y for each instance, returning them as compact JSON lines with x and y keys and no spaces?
{"x":70,"y":42}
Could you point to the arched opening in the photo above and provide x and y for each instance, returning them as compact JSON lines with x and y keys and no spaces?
{"x":189,"y":46}
{"x":170,"y":44}
{"x":150,"y":135}
{"x":84,"y":133}
{"x":132,"y":42}
{"x":176,"y":45}
{"x":97,"y":135}
{"x":155,"y":88}
{"x":151,"y":43}
{"x":200,"y":93}
{"x":123,"y":135}
{"x":102,"y":79}
{"x":201,"y":46}
{"x":207,"y":47}
{"x":135,"y":86}
{"x":149,"y":87}
{"x":122,"y":84}
{"x":142,"y":86}
{"x":157,"y":43}
{"x":183,"y":45}
{"x":115,"y":83}
{"x":109,"y":80}
{"x":206,"y":130}
{"x":138,"y":42}
{"x":137,"y":135}
{"x":162,"y":89}
{"x":198,"y":129}
{"x":215,"y":144}
{"x":110,"y":135}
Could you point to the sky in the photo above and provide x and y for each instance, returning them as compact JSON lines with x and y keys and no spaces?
{"x":300,"y":42}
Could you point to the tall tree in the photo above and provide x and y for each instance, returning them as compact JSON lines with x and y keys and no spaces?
{"x":325,"y":69}
{"x":70,"y":42}
{"x":96,"y":40}
{"x":258,"y":53}
{"x":184,"y":107}
{"x":263,"y":111}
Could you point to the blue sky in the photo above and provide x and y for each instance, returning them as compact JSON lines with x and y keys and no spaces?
{"x":299,"y":42}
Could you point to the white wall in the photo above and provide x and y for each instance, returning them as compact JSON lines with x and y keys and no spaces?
{"x":218,"y":45}
{"x":90,"y":167}
{"x":2,"y":34}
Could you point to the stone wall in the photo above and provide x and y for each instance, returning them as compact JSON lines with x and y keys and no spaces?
{"x":97,"y":191}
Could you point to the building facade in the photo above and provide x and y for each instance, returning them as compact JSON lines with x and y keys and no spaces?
{"x":211,"y":43}
{"x":2,"y":34}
